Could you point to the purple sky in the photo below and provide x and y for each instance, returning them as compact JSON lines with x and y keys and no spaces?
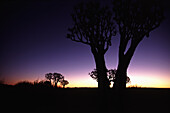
{"x":33,"y":43}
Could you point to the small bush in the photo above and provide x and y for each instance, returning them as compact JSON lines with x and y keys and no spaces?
{"x":24,"y":84}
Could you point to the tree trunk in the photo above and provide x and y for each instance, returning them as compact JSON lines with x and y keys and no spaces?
{"x":121,"y":74}
{"x":103,"y":82}
{"x":98,"y":53}
{"x":50,"y":82}
{"x":124,"y":61}
{"x":57,"y":83}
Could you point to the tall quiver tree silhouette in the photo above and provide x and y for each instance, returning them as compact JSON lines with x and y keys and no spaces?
{"x":135,"y":19}
{"x":94,"y":26}
{"x":49,"y":76}
{"x":57,"y":77}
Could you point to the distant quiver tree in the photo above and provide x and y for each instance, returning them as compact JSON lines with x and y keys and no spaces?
{"x":64,"y":82}
{"x":56,"y":78}
{"x":49,"y":76}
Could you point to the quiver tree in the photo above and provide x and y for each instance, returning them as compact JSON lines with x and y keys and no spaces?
{"x":49,"y":77}
{"x":64,"y":82}
{"x":94,"y":26}
{"x":57,"y":77}
{"x":135,"y":20}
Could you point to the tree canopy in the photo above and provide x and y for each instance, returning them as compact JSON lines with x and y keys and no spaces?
{"x":93,"y":25}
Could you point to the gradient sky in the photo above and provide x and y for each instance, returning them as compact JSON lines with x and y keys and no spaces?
{"x":33,"y":42}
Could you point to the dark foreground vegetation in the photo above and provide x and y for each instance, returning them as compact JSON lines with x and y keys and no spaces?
{"x":83,"y":100}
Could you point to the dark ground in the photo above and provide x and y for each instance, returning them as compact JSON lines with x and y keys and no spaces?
{"x":84,"y":100}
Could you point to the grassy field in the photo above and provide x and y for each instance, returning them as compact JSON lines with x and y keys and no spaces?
{"x":84,"y":100}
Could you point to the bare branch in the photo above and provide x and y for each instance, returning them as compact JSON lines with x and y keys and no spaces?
{"x":93,"y":25}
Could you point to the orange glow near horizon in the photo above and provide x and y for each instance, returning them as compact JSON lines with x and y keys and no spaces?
{"x":149,"y":78}
{"x":139,"y":81}
{"x":146,"y":81}
{"x":82,"y":82}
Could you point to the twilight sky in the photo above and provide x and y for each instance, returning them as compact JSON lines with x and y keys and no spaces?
{"x":33,"y":42}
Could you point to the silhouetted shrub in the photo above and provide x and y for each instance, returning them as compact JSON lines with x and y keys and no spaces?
{"x":42,"y":84}
{"x":110,"y":75}
{"x":24,"y":84}
{"x":134,"y":86}
{"x":1,"y":82}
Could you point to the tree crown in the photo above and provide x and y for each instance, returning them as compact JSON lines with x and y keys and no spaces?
{"x":93,"y":25}
{"x":137,"y":18}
